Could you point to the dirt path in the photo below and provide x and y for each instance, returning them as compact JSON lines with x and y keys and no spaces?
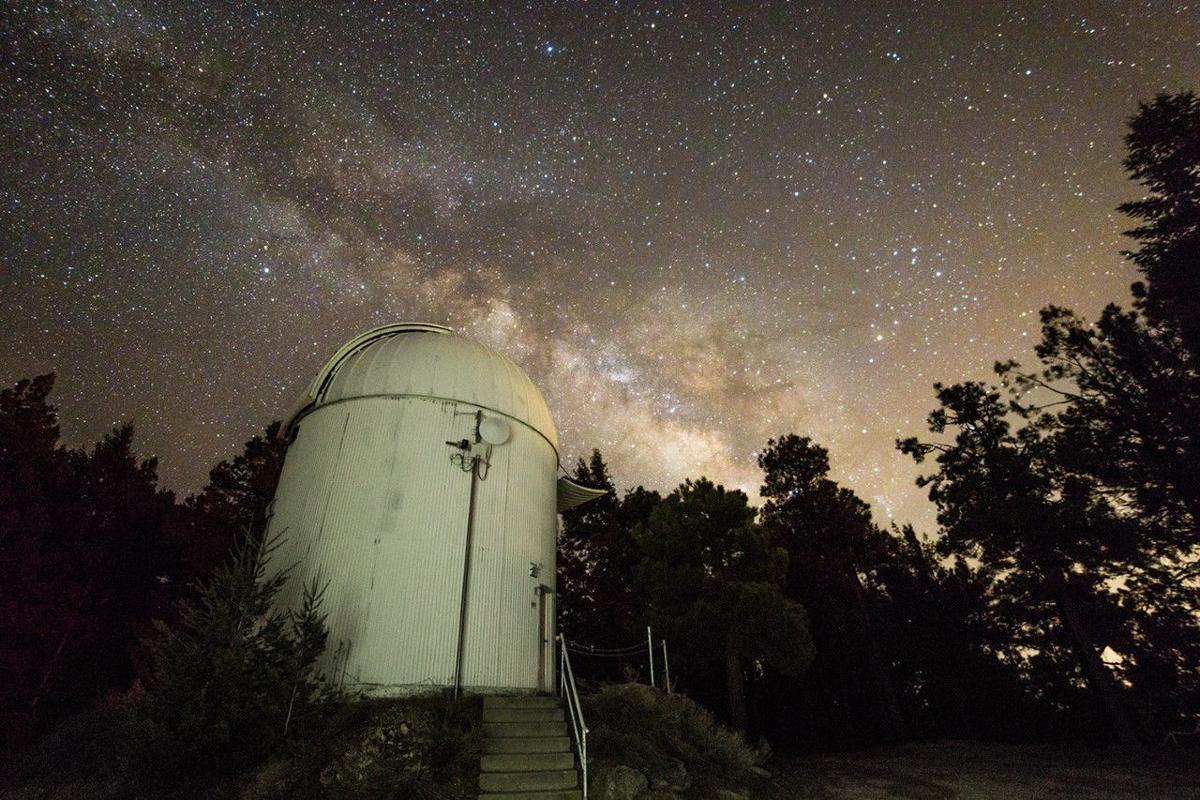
{"x":953,"y":770}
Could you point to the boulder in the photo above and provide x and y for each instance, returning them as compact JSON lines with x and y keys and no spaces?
{"x":618,"y":783}
{"x":671,"y":776}
{"x":762,"y":750}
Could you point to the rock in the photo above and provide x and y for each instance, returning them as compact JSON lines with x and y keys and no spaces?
{"x":270,"y":780}
{"x":397,"y":739}
{"x":672,"y":776}
{"x":618,"y":783}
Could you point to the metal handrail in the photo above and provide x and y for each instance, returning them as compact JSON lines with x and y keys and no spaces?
{"x":568,"y":691}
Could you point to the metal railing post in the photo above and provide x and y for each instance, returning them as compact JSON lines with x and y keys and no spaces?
{"x":570,"y":693}
{"x":666,"y":668}
{"x":650,"y":649}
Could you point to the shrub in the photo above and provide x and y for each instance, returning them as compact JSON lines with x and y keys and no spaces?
{"x":231,"y":676}
{"x":634,"y":725}
{"x":417,"y":748}
{"x":87,"y":755}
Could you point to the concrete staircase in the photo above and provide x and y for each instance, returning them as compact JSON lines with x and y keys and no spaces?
{"x":526,"y":751}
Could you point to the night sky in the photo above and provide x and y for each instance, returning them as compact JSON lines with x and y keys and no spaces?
{"x":695,"y":229}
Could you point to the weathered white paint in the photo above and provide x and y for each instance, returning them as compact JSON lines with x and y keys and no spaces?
{"x":372,"y":501}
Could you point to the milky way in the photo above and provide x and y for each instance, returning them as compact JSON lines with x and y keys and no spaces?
{"x":695,"y":228}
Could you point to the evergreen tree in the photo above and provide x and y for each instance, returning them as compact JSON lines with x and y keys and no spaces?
{"x":599,"y":601}
{"x":234,"y":675}
{"x":714,"y":583}
{"x":1048,"y":542}
{"x":233,"y":505}
{"x":1121,"y":407}
{"x":1164,"y":157}
{"x":1119,"y":401}
{"x":85,"y":561}
{"x":834,"y":550}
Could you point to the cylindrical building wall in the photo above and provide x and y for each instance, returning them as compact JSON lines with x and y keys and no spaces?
{"x":374,"y":500}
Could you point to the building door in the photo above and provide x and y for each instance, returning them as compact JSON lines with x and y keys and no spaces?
{"x":545,"y":636}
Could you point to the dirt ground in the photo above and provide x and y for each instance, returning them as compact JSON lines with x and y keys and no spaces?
{"x":974,"y":771}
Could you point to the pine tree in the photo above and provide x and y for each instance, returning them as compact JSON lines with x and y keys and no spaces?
{"x":714,"y":580}
{"x":1119,"y":402}
{"x":1164,"y":157}
{"x":599,"y":601}
{"x":1048,"y":542}
{"x":833,"y":547}
{"x":234,"y":674}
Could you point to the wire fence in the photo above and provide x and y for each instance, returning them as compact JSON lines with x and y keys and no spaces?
{"x":634,"y":653}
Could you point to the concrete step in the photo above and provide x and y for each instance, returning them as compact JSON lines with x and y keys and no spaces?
{"x":523,"y":715}
{"x":547,"y":780}
{"x":522,"y":701}
{"x":505,"y":730}
{"x":526,"y":762}
{"x":566,"y":794}
{"x":528,"y":744}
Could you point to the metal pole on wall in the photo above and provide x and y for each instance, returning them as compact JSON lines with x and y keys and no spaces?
{"x":650,"y":649}
{"x":666,"y":667}
{"x":464,"y":449}
{"x":466,"y":582}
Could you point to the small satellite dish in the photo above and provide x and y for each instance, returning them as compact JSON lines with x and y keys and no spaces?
{"x":493,"y":430}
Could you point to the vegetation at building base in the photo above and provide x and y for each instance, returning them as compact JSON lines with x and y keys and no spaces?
{"x":234,"y":707}
{"x":232,"y":675}
{"x":1057,"y":601}
{"x":424,"y":748}
{"x":644,"y":743}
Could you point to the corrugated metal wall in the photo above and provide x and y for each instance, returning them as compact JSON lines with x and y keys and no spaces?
{"x":370,"y":500}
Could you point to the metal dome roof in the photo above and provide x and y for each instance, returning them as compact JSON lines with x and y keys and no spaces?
{"x":422,"y":360}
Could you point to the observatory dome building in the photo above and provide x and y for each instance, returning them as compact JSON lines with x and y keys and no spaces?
{"x":421,"y":486}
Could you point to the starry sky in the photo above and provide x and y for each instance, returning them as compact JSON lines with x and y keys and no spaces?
{"x":695,"y":225}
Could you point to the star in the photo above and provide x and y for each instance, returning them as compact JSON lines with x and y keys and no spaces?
{"x":208,"y":205}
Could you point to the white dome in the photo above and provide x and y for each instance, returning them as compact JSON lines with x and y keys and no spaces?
{"x":431,"y":361}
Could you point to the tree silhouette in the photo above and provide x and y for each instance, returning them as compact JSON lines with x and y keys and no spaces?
{"x":714,"y":583}
{"x":833,"y":547}
{"x":1164,"y":157}
{"x":599,"y":600}
{"x":233,"y":505}
{"x":85,"y":561}
{"x":1119,"y":404}
{"x":1047,"y":540}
